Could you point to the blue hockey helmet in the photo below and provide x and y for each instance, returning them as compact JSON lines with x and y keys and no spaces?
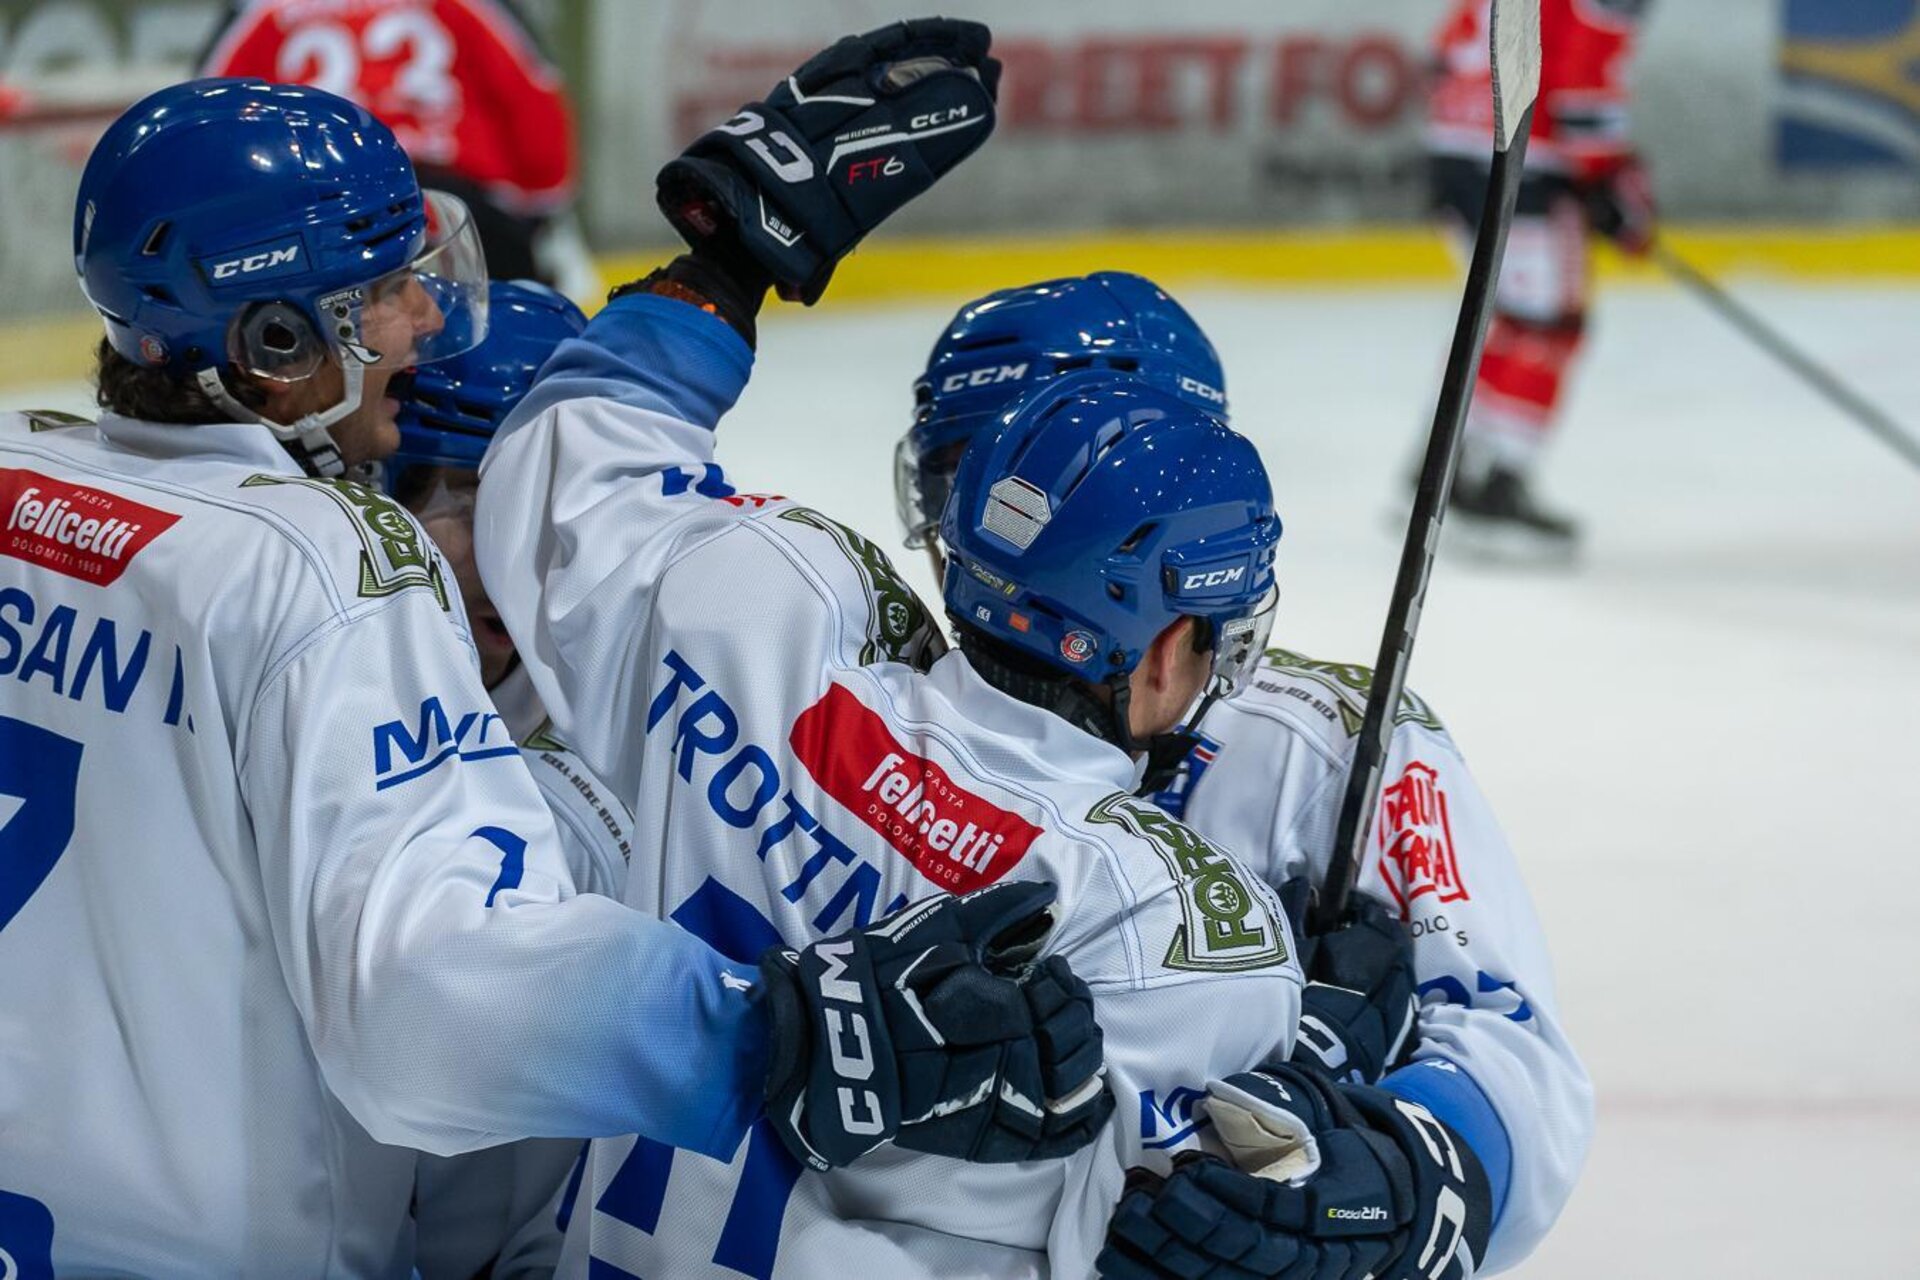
{"x":1003,"y":345}
{"x":450,"y":410}
{"x":1095,"y":512}
{"x":268,"y":226}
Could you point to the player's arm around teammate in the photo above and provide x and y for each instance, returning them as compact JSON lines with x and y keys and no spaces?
{"x":611,"y":453}
{"x":492,"y":1211}
{"x":1265,"y":779}
{"x":291,"y":890}
{"x":1489,"y":1054}
{"x":643,"y":589}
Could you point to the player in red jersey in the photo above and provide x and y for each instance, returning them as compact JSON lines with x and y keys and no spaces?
{"x":464,"y":85}
{"x":1582,"y":176}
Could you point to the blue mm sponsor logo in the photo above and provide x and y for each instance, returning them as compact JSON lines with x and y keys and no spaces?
{"x":1849,"y":89}
{"x":1168,"y":1121}
{"x":404,"y":750}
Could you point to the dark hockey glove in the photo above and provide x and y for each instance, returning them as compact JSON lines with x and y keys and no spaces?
{"x":1358,"y":1008}
{"x":1620,"y":206}
{"x":934,"y":1014}
{"x":1347,"y":1182}
{"x":1049,"y":1095}
{"x":795,"y":182}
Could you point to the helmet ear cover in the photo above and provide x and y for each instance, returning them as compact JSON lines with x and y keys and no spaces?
{"x":277,"y":341}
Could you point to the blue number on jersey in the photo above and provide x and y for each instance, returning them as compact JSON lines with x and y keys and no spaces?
{"x":26,"y":1234}
{"x":736,"y":929}
{"x":39,"y":783}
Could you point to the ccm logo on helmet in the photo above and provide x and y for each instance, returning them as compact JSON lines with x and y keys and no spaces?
{"x":253,"y":262}
{"x":849,"y":1044}
{"x":1213,"y":578}
{"x":1195,"y":387}
{"x":984,"y":377}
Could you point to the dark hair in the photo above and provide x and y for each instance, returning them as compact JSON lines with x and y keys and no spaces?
{"x":153,"y":395}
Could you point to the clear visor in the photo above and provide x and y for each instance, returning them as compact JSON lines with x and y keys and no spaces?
{"x":1242,"y":640}
{"x":432,"y":308}
{"x":909,"y":499}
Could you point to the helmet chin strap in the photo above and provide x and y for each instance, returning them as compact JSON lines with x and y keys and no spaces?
{"x":307,"y":439}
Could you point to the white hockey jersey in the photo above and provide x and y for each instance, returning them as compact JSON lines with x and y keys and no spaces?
{"x":595,"y":825}
{"x":275,"y":888}
{"x":495,"y":1207}
{"x":1268,"y":777}
{"x":743,"y":671}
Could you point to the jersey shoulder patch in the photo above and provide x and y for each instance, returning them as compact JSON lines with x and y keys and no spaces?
{"x":385,"y":551}
{"x":52,"y":420}
{"x":1334,"y":692}
{"x":899,"y":627}
{"x":1229,"y":921}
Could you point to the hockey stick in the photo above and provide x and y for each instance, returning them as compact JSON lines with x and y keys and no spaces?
{"x":1515,"y":37}
{"x":1836,"y":392}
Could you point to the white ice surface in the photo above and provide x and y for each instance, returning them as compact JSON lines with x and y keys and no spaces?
{"x":1701,"y":741}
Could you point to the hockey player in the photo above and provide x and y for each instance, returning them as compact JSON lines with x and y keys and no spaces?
{"x":465,"y":85}
{"x":488,"y":1212}
{"x":275,"y":889}
{"x":1264,"y":776}
{"x":1582,"y":176}
{"x":782,"y":792}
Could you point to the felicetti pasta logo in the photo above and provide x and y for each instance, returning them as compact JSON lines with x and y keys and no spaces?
{"x":1849,"y":95}
{"x":953,"y":836}
{"x":85,"y":533}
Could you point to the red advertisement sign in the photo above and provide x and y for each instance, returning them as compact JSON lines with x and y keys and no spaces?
{"x":956,"y":839}
{"x":88,"y":534}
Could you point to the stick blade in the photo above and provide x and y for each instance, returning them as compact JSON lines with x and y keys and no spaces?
{"x":1514,"y":29}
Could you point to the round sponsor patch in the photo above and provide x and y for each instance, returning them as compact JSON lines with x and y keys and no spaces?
{"x":1221,"y":898}
{"x":152,"y":350}
{"x":1078,"y":646}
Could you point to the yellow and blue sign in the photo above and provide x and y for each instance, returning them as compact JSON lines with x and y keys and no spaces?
{"x":1850,"y":85}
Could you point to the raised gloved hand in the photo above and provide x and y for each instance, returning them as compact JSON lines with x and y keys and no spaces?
{"x":936,"y":1028}
{"x":1620,"y":206}
{"x":1358,"y":1007}
{"x":1328,"y":1182}
{"x":793,"y":183}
